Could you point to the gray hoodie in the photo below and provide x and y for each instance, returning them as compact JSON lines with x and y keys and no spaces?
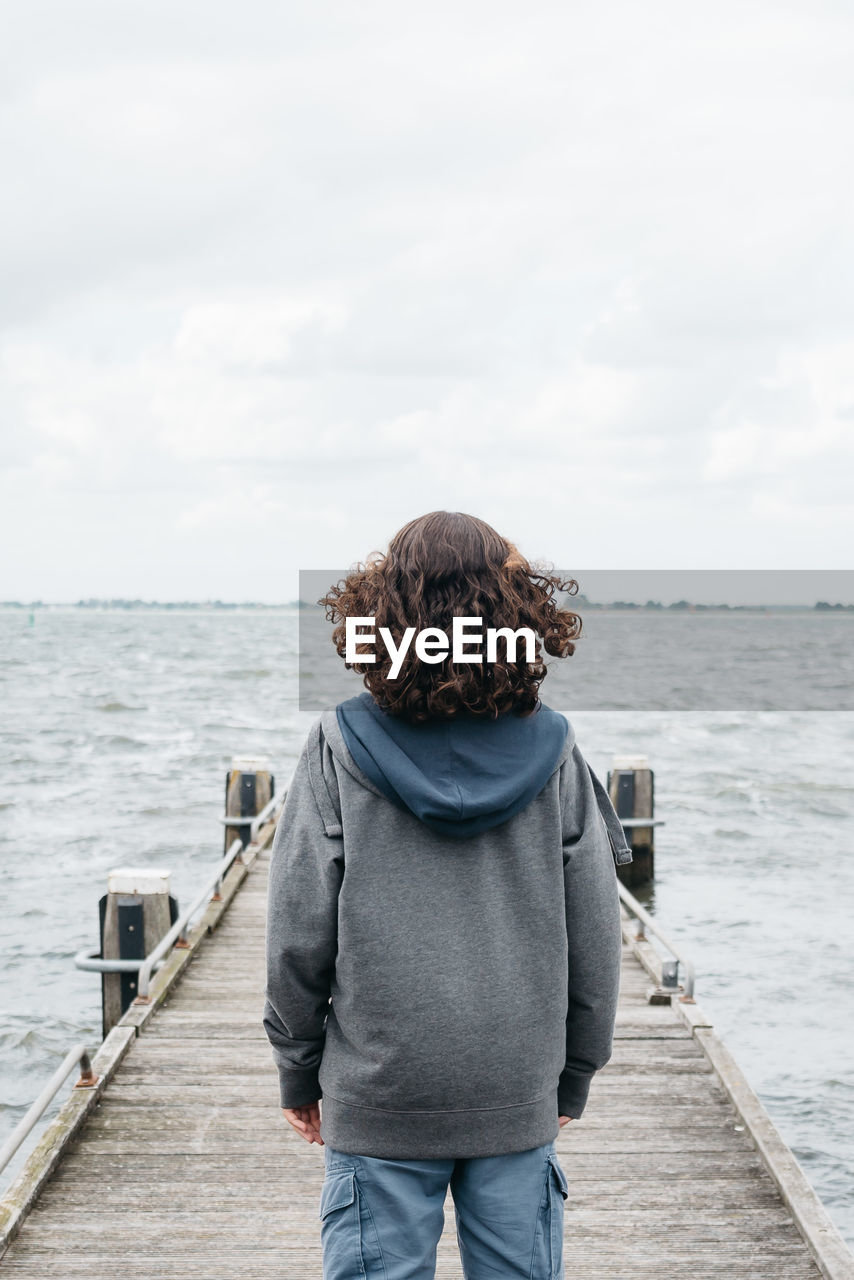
{"x":451,"y":889}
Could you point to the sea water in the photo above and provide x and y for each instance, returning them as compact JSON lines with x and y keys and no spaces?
{"x":118,"y":727}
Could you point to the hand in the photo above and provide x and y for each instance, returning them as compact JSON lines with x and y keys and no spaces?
{"x":306,"y":1121}
{"x":562,"y":1120}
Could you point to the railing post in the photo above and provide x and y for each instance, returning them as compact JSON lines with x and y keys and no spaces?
{"x":136,"y":911}
{"x":631,"y":786}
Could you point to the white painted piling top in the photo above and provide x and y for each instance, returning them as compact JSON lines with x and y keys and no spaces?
{"x":630,"y":762}
{"x":250,"y":764}
{"x":138,"y":880}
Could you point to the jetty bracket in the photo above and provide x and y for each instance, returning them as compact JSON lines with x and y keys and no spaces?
{"x":637,"y":922}
{"x":88,"y":1078}
{"x":87,"y":1082}
{"x":659,"y":995}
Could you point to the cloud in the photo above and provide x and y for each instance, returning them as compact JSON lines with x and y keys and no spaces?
{"x":583,"y":269}
{"x":249,"y":507}
{"x":792,"y":428}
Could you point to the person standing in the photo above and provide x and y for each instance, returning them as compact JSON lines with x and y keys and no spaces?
{"x":443,"y":923}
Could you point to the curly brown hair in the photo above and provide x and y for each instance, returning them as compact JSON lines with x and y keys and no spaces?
{"x":439,"y":566}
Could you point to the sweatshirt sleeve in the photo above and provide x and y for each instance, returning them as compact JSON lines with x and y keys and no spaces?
{"x":594,"y":937}
{"x":306,"y":867}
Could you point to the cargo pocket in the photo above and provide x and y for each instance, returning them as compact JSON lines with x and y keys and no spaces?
{"x":348,"y":1234}
{"x":547,"y":1262}
{"x":559,"y":1189}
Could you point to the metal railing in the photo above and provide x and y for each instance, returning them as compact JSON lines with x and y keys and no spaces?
{"x":211,"y":891}
{"x":669,"y":968}
{"x":177,"y":936}
{"x":84,"y":960}
{"x":88,"y":1079}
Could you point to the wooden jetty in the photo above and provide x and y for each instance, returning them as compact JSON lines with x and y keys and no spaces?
{"x":180,"y":1163}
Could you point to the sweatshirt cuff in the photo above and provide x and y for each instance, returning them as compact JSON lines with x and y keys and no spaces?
{"x":298,"y":1088}
{"x":572,"y":1090}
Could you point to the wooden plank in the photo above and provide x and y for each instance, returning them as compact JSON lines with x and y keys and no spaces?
{"x":664,"y":1176}
{"x":830,"y":1251}
{"x":20,"y":1197}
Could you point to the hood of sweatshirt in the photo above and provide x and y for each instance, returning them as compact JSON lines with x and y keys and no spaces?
{"x":459,"y":777}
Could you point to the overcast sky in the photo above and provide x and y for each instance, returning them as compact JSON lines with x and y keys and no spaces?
{"x":278,"y":277}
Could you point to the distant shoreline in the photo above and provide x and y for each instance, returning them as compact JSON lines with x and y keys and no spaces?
{"x":580,"y":602}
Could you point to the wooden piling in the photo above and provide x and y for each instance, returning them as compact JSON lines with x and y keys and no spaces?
{"x":249,"y":786}
{"x":631,"y":786}
{"x":136,"y":911}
